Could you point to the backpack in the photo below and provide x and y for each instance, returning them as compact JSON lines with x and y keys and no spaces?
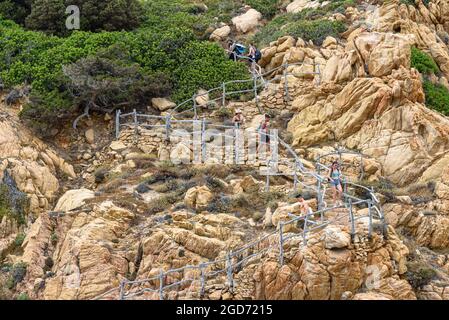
{"x":258,"y":55}
{"x":240,"y":49}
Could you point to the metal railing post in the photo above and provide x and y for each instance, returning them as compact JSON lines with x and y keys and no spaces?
{"x":304,"y":231}
{"x":117,"y":123}
{"x":229,"y":272}
{"x":122,"y":290}
{"x":161,"y":285}
{"x":236,"y":151}
{"x":281,"y":243}
{"x":203,"y":139}
{"x":345,"y":190}
{"x":351,"y":220}
{"x":267,"y":182}
{"x":203,"y":281}
{"x":223,"y":102}
{"x":295,"y":176}
{"x":256,"y":95}
{"x":194,"y":107}
{"x":320,"y":200}
{"x":370,"y":221}
{"x":287,"y":95}
{"x":362,"y":169}
{"x":136,"y":125}
{"x":167,"y":127}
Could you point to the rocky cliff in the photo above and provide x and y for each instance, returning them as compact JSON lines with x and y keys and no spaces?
{"x":130,"y":216}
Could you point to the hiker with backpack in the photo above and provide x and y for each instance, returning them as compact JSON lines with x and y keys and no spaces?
{"x":335,"y":180}
{"x":254,"y":54}
{"x":263,"y":131}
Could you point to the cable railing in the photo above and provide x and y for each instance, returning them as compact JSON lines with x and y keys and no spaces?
{"x":226,"y":267}
{"x":235,"y":260}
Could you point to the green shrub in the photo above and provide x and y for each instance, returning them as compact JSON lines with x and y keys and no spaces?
{"x":16,"y":10}
{"x":437,"y":97}
{"x":18,"y":241}
{"x":315,"y":30}
{"x":419,"y":274}
{"x":214,"y":183}
{"x":268,"y":8}
{"x":49,"y":15}
{"x":18,"y":273}
{"x":205,"y":65}
{"x":423,"y":62}
{"x":13,"y":203}
{"x":409,"y":2}
{"x":155,"y":60}
{"x":23,"y":296}
{"x":54,"y":238}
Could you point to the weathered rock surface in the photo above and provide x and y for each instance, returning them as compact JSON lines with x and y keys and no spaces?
{"x":32,"y":164}
{"x":247,"y":21}
{"x":198,"y":197}
{"x":316,"y":272}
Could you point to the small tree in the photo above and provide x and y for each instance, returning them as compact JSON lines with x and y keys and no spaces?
{"x":47,"y":16}
{"x":16,"y":10}
{"x":112,"y":15}
{"x":109,"y":80}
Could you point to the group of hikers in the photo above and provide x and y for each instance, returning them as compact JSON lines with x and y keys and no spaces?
{"x":335,"y":180}
{"x":263,"y":129}
{"x":334,"y":177}
{"x":238,"y":51}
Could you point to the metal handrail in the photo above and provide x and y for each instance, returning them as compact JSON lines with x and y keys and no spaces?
{"x":298,"y":168}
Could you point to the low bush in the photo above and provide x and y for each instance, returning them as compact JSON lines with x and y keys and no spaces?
{"x":18,"y":241}
{"x":423,"y":62}
{"x":130,"y":68}
{"x":163,"y":203}
{"x":13,"y":203}
{"x":268,"y":8}
{"x":309,"y":24}
{"x":18,"y":273}
{"x":419,"y":274}
{"x":23,"y":296}
{"x":437,"y":97}
{"x":214,"y":184}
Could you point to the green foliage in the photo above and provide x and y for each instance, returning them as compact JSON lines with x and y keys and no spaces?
{"x":154,"y":60}
{"x":110,"y":80}
{"x":205,"y":65}
{"x":18,"y":272}
{"x":113,"y":15}
{"x":18,"y":241}
{"x":423,"y":62}
{"x":437,"y":97}
{"x":308,"y":24}
{"x":54,"y":238}
{"x":23,"y":296}
{"x":268,"y":8}
{"x":419,"y":274}
{"x":13,"y":203}
{"x":162,"y":15}
{"x":16,"y":10}
{"x":409,"y":2}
